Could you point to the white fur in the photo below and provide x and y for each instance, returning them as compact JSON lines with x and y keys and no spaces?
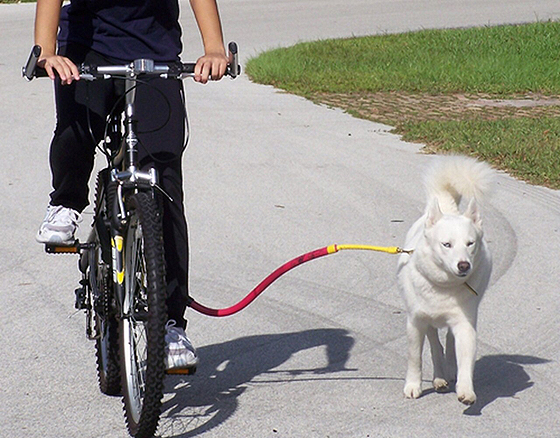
{"x":449,"y":252}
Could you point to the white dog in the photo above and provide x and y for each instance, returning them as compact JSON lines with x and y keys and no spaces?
{"x":443,"y":280}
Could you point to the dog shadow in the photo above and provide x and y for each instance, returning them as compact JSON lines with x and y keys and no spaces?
{"x":197,"y":404}
{"x":500,"y":376}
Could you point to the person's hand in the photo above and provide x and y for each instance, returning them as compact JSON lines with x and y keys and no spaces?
{"x":211,"y":66}
{"x":65,"y":68}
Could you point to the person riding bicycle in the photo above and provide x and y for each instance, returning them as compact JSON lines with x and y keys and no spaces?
{"x":117,"y":32}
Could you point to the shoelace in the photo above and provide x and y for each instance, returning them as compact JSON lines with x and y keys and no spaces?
{"x":63,"y":215}
{"x":175,"y":333}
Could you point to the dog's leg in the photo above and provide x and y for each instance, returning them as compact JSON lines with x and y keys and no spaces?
{"x":465,"y":346}
{"x":439,"y":382}
{"x":450,"y":357}
{"x":416,"y":333}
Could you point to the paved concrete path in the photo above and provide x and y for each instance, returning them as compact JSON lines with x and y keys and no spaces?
{"x":269,"y":176}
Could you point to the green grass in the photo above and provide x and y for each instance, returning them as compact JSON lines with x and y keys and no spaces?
{"x":500,"y":60}
{"x":527,"y":148}
{"x":494,"y":62}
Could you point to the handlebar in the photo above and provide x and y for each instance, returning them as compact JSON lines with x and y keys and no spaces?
{"x":145,"y":67}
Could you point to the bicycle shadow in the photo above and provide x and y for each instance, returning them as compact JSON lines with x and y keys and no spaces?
{"x":500,"y":376}
{"x":194,"y":405}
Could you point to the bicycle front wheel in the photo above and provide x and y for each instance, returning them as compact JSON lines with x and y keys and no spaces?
{"x":142,"y":327}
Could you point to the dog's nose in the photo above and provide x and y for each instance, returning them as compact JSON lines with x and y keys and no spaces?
{"x":463,"y":267}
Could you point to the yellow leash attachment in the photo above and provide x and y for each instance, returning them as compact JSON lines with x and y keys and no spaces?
{"x":387,"y":249}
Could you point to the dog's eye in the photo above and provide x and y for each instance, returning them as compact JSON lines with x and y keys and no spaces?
{"x":471,"y":243}
{"x":446,"y":244}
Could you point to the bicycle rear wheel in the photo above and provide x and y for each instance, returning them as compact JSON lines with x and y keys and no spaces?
{"x":142,"y":327}
{"x":106,"y":344}
{"x":98,"y":260}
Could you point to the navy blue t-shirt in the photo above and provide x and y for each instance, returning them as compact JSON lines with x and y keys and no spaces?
{"x":124,"y":29}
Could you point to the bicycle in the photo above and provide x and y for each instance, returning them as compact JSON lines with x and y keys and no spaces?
{"x":123,"y":286}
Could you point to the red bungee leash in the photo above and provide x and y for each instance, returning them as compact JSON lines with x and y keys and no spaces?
{"x":331,"y":249}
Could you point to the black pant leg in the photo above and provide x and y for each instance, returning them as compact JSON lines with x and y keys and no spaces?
{"x":77,"y":131}
{"x":176,"y":243}
{"x":160,"y":111}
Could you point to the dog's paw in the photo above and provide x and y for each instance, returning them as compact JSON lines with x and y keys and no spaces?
{"x":412,"y":390}
{"x":466,"y":396}
{"x":440,"y":385}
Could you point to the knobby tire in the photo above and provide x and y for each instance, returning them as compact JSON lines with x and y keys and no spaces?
{"x":142,"y":327}
{"x":100,"y":277}
{"x":106,"y":344}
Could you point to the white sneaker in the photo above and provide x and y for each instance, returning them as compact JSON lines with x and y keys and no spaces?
{"x":180,"y":354}
{"x":59,"y":225}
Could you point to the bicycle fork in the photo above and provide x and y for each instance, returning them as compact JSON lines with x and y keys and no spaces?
{"x":117,"y":253}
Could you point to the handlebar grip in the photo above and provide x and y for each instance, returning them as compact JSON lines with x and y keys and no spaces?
{"x":188,"y":68}
{"x":40,"y":72}
{"x":28,"y":70}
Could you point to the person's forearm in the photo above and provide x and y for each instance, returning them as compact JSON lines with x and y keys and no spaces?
{"x":208,"y":20}
{"x":47,"y":18}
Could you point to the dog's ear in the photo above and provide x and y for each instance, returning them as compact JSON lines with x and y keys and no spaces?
{"x":434,"y":213}
{"x":473,"y":213}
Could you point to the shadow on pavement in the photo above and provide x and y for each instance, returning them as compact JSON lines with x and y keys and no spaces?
{"x":194,"y":405}
{"x":500,"y":376}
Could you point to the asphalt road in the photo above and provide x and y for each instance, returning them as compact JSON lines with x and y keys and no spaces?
{"x":269,"y":176}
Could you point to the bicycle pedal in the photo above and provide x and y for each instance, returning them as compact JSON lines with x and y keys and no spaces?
{"x":181,"y":371}
{"x":80,"y":302}
{"x":57,"y":248}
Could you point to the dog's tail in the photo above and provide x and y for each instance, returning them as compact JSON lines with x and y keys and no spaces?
{"x":453,"y":177}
